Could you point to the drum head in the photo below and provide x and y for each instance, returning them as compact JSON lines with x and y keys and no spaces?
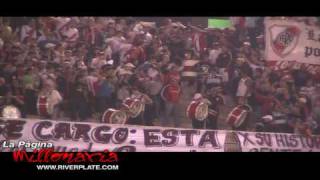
{"x":163,"y":93}
{"x":11,"y":112}
{"x":118,"y":117}
{"x":242,"y":118}
{"x":237,"y":116}
{"x":136,"y":109}
{"x":113,"y":116}
{"x":45,"y":107}
{"x":201,"y":111}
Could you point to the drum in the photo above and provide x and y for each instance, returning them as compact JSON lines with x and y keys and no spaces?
{"x":114,"y":116}
{"x":10,"y":112}
{"x":44,"y":107}
{"x":238,"y":115}
{"x":134,"y":106}
{"x":197,"y":110}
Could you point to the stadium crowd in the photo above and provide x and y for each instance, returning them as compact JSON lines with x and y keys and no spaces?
{"x":91,"y":64}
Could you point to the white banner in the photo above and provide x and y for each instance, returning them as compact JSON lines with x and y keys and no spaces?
{"x":292,"y":41}
{"x":75,"y":136}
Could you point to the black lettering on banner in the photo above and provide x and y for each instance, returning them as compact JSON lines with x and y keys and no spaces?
{"x":209,"y":137}
{"x":310,"y":142}
{"x":302,"y":141}
{"x":81,"y":131}
{"x":293,"y":140}
{"x":189,"y":136}
{"x":268,"y":139}
{"x":308,"y":51}
{"x":12,"y":129}
{"x":125,"y":149}
{"x":99,"y":135}
{"x":151,"y":139}
{"x":310,"y":35}
{"x":267,"y":149}
{"x":263,"y":139}
{"x":280,"y":140}
{"x":287,"y":142}
{"x":172,"y":135}
{"x":246,"y":138}
{"x":120,"y":135}
{"x":37,"y":130}
{"x":316,"y":51}
{"x":259,"y":139}
{"x":62,"y":130}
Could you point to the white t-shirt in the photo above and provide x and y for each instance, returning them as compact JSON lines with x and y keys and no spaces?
{"x":242,"y":88}
{"x":213,"y":55}
{"x":55,"y":97}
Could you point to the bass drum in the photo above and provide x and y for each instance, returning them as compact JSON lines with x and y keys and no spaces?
{"x":197,"y":110}
{"x":11,"y":112}
{"x":113,"y":116}
{"x":134,"y":106}
{"x":238,"y":115}
{"x":44,"y":107}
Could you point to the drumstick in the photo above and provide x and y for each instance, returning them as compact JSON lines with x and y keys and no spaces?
{"x":213,"y":112}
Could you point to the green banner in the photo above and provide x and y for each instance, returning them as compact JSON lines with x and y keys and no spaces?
{"x":219,"y":23}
